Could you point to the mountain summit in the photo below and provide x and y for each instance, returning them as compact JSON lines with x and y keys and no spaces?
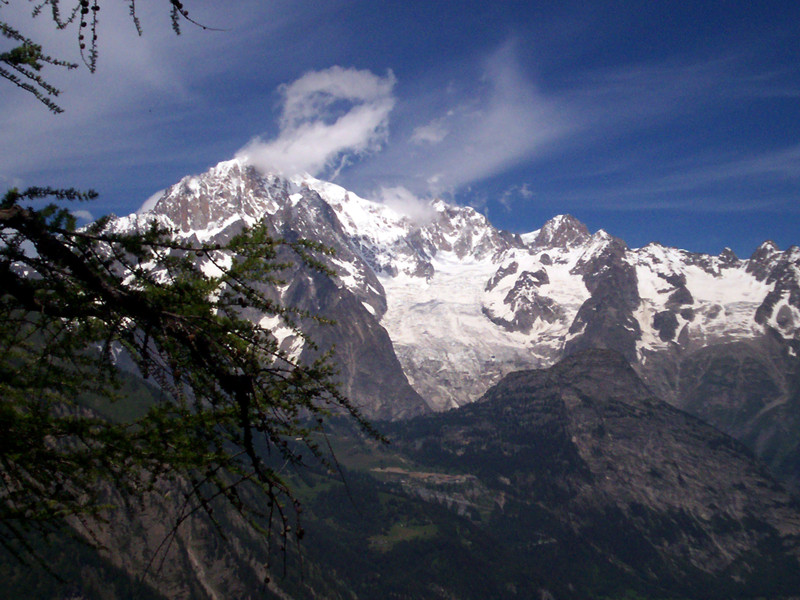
{"x":561,"y":231}
{"x":434,"y":311}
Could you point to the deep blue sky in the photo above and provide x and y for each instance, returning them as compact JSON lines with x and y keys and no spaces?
{"x":670,"y":121}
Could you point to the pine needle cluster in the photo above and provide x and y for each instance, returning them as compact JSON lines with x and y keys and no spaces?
{"x":232,"y":408}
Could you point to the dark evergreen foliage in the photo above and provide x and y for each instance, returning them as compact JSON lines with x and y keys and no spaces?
{"x":76,"y":302}
{"x":23,"y":62}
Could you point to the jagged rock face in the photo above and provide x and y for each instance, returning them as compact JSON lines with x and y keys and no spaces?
{"x":606,"y":319}
{"x":764,"y":259}
{"x":228,"y":190}
{"x":562,"y":231}
{"x":464,"y":232}
{"x":369,"y":372}
{"x":310,"y":217}
{"x":750,"y":390}
{"x":780,"y":307}
{"x":661,"y":493}
{"x":214,"y":206}
{"x":527,"y":305}
{"x":460,"y":304}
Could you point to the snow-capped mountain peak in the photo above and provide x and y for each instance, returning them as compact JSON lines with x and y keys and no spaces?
{"x":463,"y":303}
{"x":229,"y":191}
{"x":560,"y":232}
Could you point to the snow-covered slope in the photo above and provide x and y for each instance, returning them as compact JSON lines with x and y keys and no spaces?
{"x":464,"y":303}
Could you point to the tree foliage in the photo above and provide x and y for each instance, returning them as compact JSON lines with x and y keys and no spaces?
{"x":23,"y":62}
{"x":233,"y":407}
{"x":21,"y":66}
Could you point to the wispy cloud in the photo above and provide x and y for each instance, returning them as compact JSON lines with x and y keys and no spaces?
{"x":327,"y":116}
{"x":641,"y":139}
{"x":432,"y":133}
{"x":750,"y":169}
{"x":151,"y":202}
{"x":514,"y":193}
{"x":418,"y":209}
{"x":479,"y":128}
{"x":719,"y":182}
{"x":83,"y":215}
{"x":154,"y":99}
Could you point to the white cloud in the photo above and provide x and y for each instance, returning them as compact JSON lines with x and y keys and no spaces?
{"x":311,"y":96}
{"x":406,"y":203}
{"x":471,"y":131}
{"x":151,"y":202}
{"x":82,"y":215}
{"x":699,"y":175}
{"x":432,"y":133}
{"x":326,"y":115}
{"x":507,"y":198}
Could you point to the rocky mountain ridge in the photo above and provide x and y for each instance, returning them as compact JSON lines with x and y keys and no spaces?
{"x":537,"y":296}
{"x":559,"y":473}
{"x":589,"y":461}
{"x":437,"y":305}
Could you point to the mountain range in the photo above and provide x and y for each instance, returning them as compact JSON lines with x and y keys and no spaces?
{"x":569,"y":417}
{"x":435,"y":305}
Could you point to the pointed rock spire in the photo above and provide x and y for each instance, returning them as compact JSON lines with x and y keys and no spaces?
{"x":562,"y":231}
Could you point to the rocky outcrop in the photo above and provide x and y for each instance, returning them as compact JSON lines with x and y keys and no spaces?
{"x":368,"y":370}
{"x":606,"y":319}
{"x":751,"y":391}
{"x":590,"y":458}
{"x":562,"y":231}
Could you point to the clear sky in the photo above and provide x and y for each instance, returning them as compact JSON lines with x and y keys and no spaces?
{"x":676,"y":122}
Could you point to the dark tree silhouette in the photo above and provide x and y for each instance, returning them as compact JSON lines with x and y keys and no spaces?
{"x":23,"y":63}
{"x":75,"y":303}
{"x":231,"y":403}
